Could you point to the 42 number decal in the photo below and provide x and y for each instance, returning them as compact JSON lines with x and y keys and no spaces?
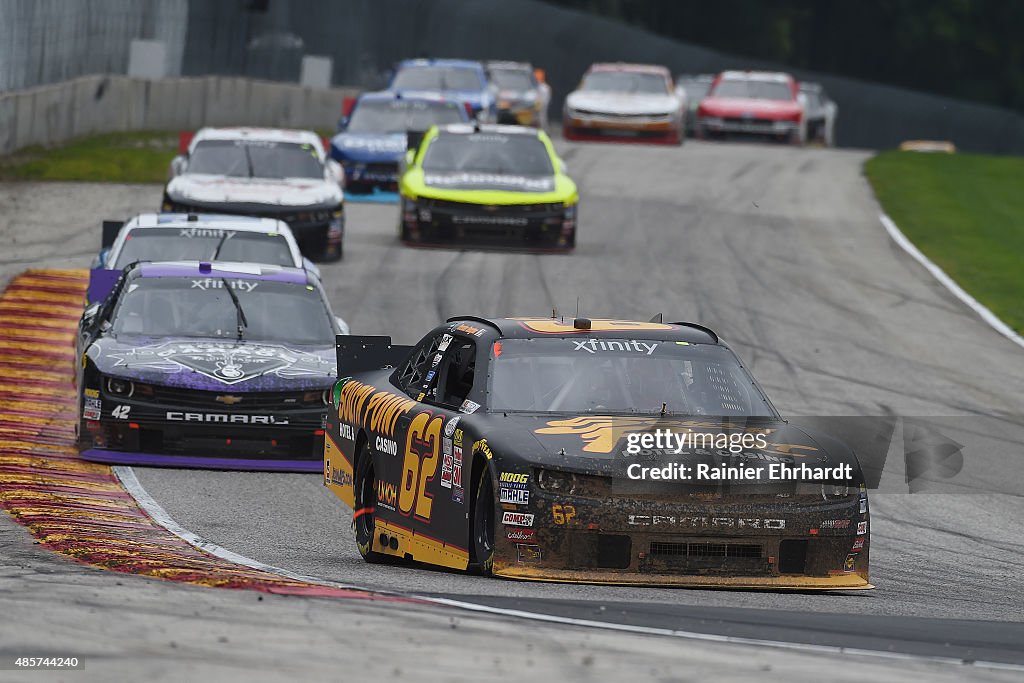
{"x":422,"y":451}
{"x":121,"y":412}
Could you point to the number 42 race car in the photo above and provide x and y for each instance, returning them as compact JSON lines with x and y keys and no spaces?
{"x":587,"y":451}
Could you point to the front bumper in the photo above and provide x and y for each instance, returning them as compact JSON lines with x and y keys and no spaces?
{"x":736,"y":545}
{"x":629,"y":128}
{"x":713,"y":125}
{"x":535,"y":227}
{"x":261,"y":436}
{"x":366,"y":177}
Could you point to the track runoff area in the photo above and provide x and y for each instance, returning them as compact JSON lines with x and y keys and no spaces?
{"x":785,"y":258}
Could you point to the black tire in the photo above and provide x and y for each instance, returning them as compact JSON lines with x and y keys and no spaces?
{"x":365,"y":504}
{"x":482,"y":531}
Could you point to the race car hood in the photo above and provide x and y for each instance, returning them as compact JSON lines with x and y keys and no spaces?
{"x":215,"y":365}
{"x":738,"y":107}
{"x":216,"y":189}
{"x":488,"y":188}
{"x":368,"y":147}
{"x":596,"y":444}
{"x":624,"y":103}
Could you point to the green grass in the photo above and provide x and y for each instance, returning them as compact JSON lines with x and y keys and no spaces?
{"x":966,"y":213}
{"x":141,"y":157}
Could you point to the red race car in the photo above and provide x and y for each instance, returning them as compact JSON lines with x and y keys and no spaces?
{"x":753,"y":103}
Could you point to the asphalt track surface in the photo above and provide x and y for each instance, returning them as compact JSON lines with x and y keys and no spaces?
{"x":778,"y":249}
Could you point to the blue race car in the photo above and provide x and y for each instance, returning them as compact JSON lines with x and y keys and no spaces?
{"x":461,"y":80}
{"x":371,"y":137}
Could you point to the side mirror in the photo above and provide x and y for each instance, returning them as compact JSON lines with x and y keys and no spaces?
{"x":90,"y":313}
{"x":178,"y":165}
{"x":342,"y":124}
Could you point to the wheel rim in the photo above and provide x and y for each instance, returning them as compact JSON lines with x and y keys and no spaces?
{"x":366,"y":502}
{"x":484,"y":531}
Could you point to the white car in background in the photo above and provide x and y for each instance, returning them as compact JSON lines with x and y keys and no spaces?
{"x":266,"y":172}
{"x":625,"y":102}
{"x":820,"y":113}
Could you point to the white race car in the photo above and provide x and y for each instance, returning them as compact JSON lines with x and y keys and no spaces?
{"x":625,"y":102}
{"x":267,"y":172}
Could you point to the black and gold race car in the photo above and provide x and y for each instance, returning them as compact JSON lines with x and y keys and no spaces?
{"x":486,"y":186}
{"x":588,"y":451}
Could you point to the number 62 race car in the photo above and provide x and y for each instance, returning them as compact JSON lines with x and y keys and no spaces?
{"x":587,"y":451}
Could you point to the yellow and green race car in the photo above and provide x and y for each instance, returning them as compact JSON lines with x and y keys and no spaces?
{"x":486,"y":186}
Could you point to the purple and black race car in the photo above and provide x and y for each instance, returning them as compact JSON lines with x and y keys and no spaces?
{"x":212,"y":365}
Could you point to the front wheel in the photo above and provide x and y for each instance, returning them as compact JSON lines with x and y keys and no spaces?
{"x":482,"y":541}
{"x":365,"y":505}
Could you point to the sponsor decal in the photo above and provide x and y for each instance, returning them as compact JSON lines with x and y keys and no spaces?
{"x":482,"y":447}
{"x":516,"y":519}
{"x":445,"y":341}
{"x":223,"y":418}
{"x":339,"y":477}
{"x":436,"y":360}
{"x":450,"y":425}
{"x":514,"y":478}
{"x":228,"y":400}
{"x":863,"y":505}
{"x":495,"y":180}
{"x":519,"y":535}
{"x":218,"y":283}
{"x":345,"y":431}
{"x":514,"y":496}
{"x":457,"y":437}
{"x":528,"y":553}
{"x":469,"y":407}
{"x":386,"y":446}
{"x":858,"y":544}
{"x":226,"y":362}
{"x":469,"y":329}
{"x":851,"y":561}
{"x":92,"y":393}
{"x":377,"y":410}
{"x":862,"y":528}
{"x":692,"y":522}
{"x":457,"y":494}
{"x":91,"y":413}
{"x":387,"y":495}
{"x":207,"y":232}
{"x":446,"y":464}
{"x":835,"y":524}
{"x":430,"y":376}
{"x":597,"y":345}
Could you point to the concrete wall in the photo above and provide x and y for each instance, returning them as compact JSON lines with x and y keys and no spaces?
{"x":51,"y":114}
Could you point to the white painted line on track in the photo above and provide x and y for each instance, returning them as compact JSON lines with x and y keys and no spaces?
{"x":127,"y":477}
{"x":988,"y":316}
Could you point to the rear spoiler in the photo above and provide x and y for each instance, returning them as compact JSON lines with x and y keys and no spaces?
{"x":101,"y":284}
{"x":110,"y":230}
{"x":359,"y":353}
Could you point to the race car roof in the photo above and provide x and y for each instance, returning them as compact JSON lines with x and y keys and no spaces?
{"x":512,"y":66}
{"x":774,"y":76}
{"x":414,"y":96}
{"x":206,"y":220}
{"x":238,"y":271}
{"x":532,"y":328}
{"x":260,"y":134}
{"x":623,"y":66}
{"x":440,"y":62}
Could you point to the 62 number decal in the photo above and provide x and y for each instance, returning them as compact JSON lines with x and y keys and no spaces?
{"x":422,"y":447}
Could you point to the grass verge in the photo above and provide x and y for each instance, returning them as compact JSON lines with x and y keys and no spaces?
{"x":138,"y":157}
{"x":966,"y":213}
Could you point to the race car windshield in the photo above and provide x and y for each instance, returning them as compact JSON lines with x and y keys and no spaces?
{"x":399,"y":116}
{"x":204,"y":244}
{"x":629,"y":376}
{"x":625,"y":82}
{"x":255,"y":159}
{"x":488,"y":153}
{"x":513,"y":79}
{"x":753,"y":89}
{"x":437,"y":78}
{"x":200,"y":307}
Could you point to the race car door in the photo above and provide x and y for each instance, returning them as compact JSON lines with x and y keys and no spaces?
{"x":432,"y":501}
